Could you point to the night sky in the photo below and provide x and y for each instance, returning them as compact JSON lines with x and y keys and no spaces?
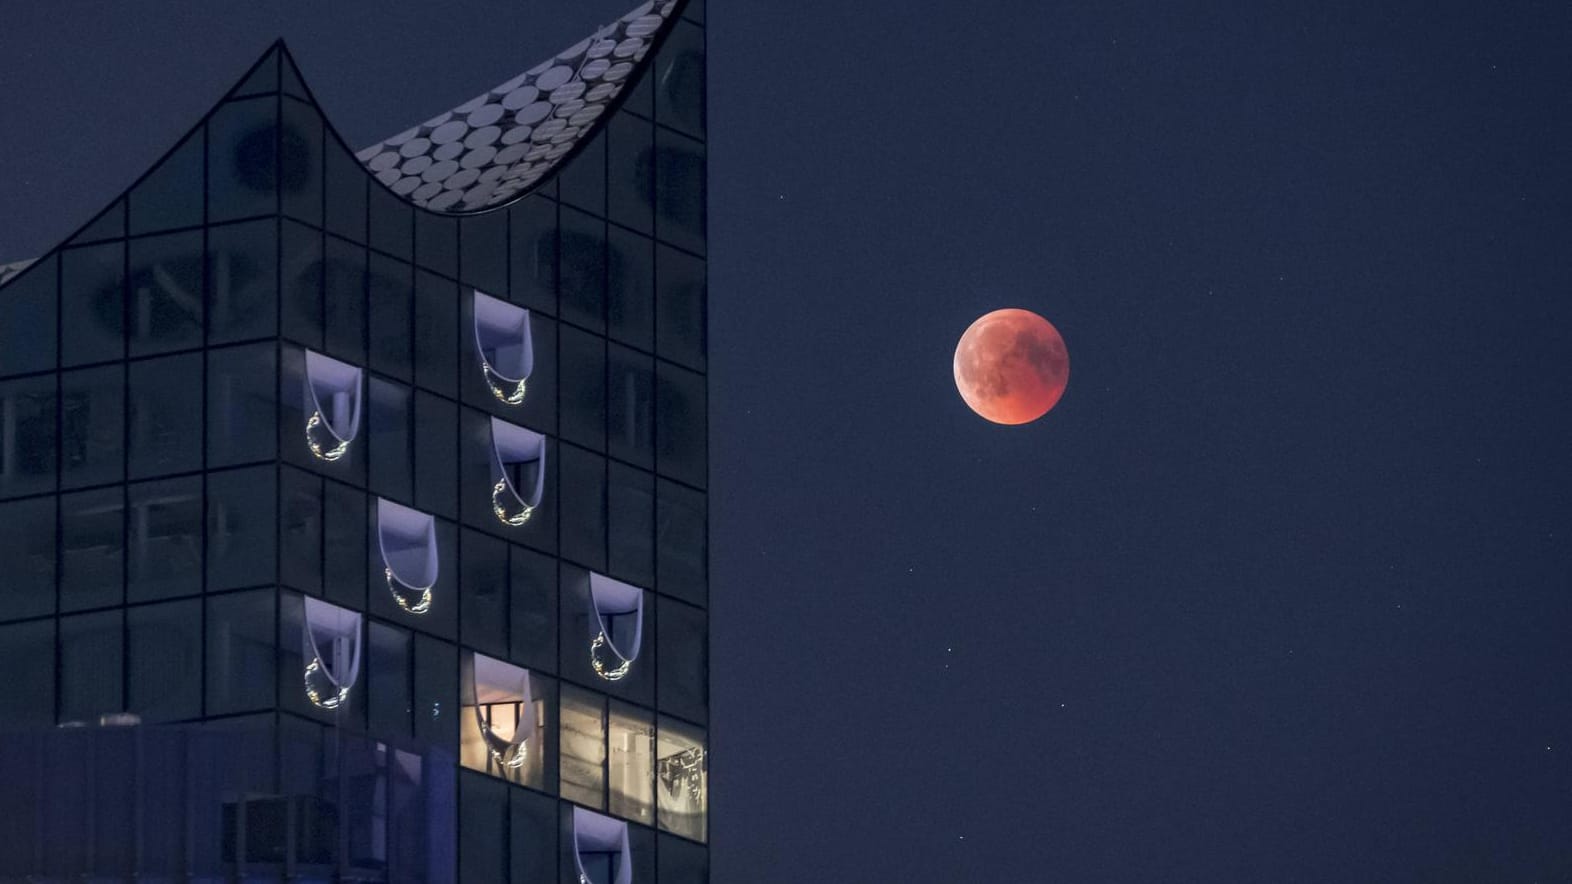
{"x":1278,"y":592}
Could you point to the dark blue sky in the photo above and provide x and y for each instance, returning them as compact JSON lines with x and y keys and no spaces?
{"x":1278,"y":592}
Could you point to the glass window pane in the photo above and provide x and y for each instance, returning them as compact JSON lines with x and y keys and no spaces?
{"x":302,"y":266}
{"x":240,"y":666}
{"x":680,"y":444}
{"x":582,"y":182}
{"x":390,"y":443}
{"x":629,"y":765}
{"x":583,"y":370}
{"x":300,"y":530}
{"x":344,"y":538}
{"x":27,"y":320}
{"x":27,"y":547}
{"x":630,"y":312}
{"x":436,"y":692}
{"x":240,"y":404}
{"x":92,"y":549}
{"x":242,"y":281}
{"x":110,"y":224}
{"x":436,"y":461}
{"x":92,"y":303}
{"x":166,"y":293}
{"x":27,"y":656}
{"x":583,"y":273}
{"x":392,"y":295}
{"x":27,"y":436}
{"x":436,"y":334}
{"x":166,"y":415}
{"x":683,"y":862}
{"x":436,"y":243}
{"x":240,"y":513}
{"x":92,"y":426}
{"x":503,"y":726}
{"x":166,"y":660}
{"x":630,"y":178}
{"x":679,"y":190}
{"x":388,"y":690}
{"x":631,"y":509}
{"x":301,"y":181}
{"x":681,"y":523}
{"x":346,"y":192}
{"x":681,"y":318}
{"x":583,"y":494}
{"x":679,"y":79}
{"x":171,"y":195}
{"x":682,"y":777}
{"x":533,"y":228}
{"x":485,"y":253}
{"x":346,"y":301}
{"x":684,"y":660}
{"x":90,"y":666}
{"x":483,"y":829}
{"x":242,"y":159}
{"x":392,"y":223}
{"x":630,"y":406}
{"x":533,"y":834}
{"x":582,"y":746}
{"x":164,"y":547}
{"x":533,"y":580}
{"x":485,"y":595}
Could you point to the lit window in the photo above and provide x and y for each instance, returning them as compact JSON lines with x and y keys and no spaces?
{"x":682,"y":779}
{"x":617,"y":627}
{"x":408,"y":541}
{"x":330,"y":643}
{"x":518,"y":472}
{"x":504,"y":724}
{"x":332,"y":405}
{"x":505,"y":345}
{"x":600,"y":848}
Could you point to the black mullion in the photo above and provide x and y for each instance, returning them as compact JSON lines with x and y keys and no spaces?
{"x":207,"y":335}
{"x":125,"y":464}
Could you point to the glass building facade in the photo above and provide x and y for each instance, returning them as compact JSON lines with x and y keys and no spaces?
{"x":352,"y":539}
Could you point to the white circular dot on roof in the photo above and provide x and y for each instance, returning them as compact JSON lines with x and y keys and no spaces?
{"x":628,"y":47}
{"x":449,"y":132}
{"x":402,"y":137}
{"x":554,"y":77}
{"x":520,"y":97}
{"x":559,"y":150}
{"x":569,"y":109}
{"x":594,"y":69}
{"x":566,"y":93}
{"x":537,"y":151}
{"x":405,"y":186}
{"x":446,"y":199}
{"x":548,"y":130}
{"x":510,"y":154}
{"x":472,"y":104}
{"x":601,"y":49}
{"x":449,"y":151}
{"x":569,"y":134}
{"x":516,"y":172}
{"x":516,"y":134}
{"x":436,"y":121}
{"x":618,"y":71}
{"x":574,"y":51}
{"x":483,"y":137}
{"x":389,"y":176}
{"x":601,"y":92}
{"x":383,"y":161}
{"x":485,"y":115}
{"x":461,"y":179}
{"x":587,"y":115}
{"x":440,"y":171}
{"x":414,"y":147}
{"x":493,"y":172}
{"x":478,"y":158}
{"x":644,"y":26}
{"x":534,"y":113}
{"x":415,"y":166}
{"x":427,"y":191}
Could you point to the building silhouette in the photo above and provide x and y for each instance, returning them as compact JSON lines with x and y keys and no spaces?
{"x":355,"y":503}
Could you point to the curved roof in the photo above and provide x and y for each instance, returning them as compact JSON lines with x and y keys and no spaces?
{"x":496,"y":146}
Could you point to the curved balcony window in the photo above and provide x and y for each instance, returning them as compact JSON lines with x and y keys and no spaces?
{"x":506,"y":347}
{"x":332,"y":405}
{"x":518,"y":472}
{"x":506,"y":719}
{"x":616,"y":627}
{"x":330,"y":643}
{"x":408,"y":541}
{"x":600,"y":848}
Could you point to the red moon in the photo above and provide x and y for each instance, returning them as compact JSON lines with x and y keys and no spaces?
{"x":1011,"y":366}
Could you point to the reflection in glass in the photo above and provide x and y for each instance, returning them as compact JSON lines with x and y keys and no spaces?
{"x":330,"y":673}
{"x":600,"y":849}
{"x":583,"y":747}
{"x":617,"y":629}
{"x":506,"y":347}
{"x":630,"y":764}
{"x":331,"y":427}
{"x":682,"y":772}
{"x":518,"y":472}
{"x":504,"y":727}
{"x":408,"y":541}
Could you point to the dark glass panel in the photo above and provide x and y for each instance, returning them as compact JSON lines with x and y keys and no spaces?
{"x":346,"y":301}
{"x":27,"y":656}
{"x":392,"y":223}
{"x":534,"y":608}
{"x":630,"y":310}
{"x":436,"y":692}
{"x":242,"y":167}
{"x":90,"y":666}
{"x":346,"y":192}
{"x":485,"y":594}
{"x":344,"y":538}
{"x":679,"y":80}
{"x":684,"y":660}
{"x":682,"y":862}
{"x":680,"y":324}
{"x":388,"y":691}
{"x":165,"y":677}
{"x":680,"y":426}
{"x":300,"y":530}
{"x":27,"y":547}
{"x":164,"y":546}
{"x":583,"y":371}
{"x":630,"y":172}
{"x":533,"y":229}
{"x":27,"y":320}
{"x":682,"y":768}
{"x":92,"y":303}
{"x":242,"y":281}
{"x":166,"y":416}
{"x":436,"y":334}
{"x":391,"y":443}
{"x":483,"y":829}
{"x":582,"y":182}
{"x":682,"y":555}
{"x":92,"y":426}
{"x":583,"y":269}
{"x":240,"y":404}
{"x":679,"y":190}
{"x":301,"y":182}
{"x":166,"y":293}
{"x":630,"y":406}
{"x":532,"y":830}
{"x":27,"y":436}
{"x":641,"y":96}
{"x":289,"y":79}
{"x":110,"y":224}
{"x":240,"y":667}
{"x":694,"y":11}
{"x":436,"y":461}
{"x":391,"y":300}
{"x":302,"y":284}
{"x":263,"y":78}
{"x":631,"y":510}
{"x":171,"y":195}
{"x":436,"y":243}
{"x":92,"y":549}
{"x":485,"y":253}
{"x":240,"y":528}
{"x":583,"y":506}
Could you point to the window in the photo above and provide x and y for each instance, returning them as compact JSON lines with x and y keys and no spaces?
{"x":518,"y":472}
{"x":171,"y":195}
{"x":166,"y":292}
{"x":90,"y":661}
{"x":330,"y":646}
{"x":485,"y":251}
{"x":680,"y":425}
{"x":242,"y":166}
{"x":504,"y":721}
{"x":92,"y":430}
{"x":388,"y":692}
{"x":679,"y":79}
{"x":92,"y":549}
{"x":629,"y":765}
{"x":240,"y":657}
{"x":682,"y":779}
{"x":27,"y":655}
{"x":583,"y":280}
{"x":240,"y":513}
{"x":27,"y":435}
{"x":629,"y":172}
{"x":436,"y":692}
{"x":165,"y":677}
{"x":630,"y":312}
{"x":392,"y":295}
{"x":583,"y":747}
{"x":301,"y":180}
{"x":630,"y":407}
{"x":407,"y":540}
{"x":683,"y":660}
{"x":240,"y":404}
{"x":681,"y":554}
{"x":600,"y":848}
{"x":302,"y":281}
{"x":583,"y":368}
{"x":27,"y":547}
{"x":505,"y":348}
{"x":616,"y":626}
{"x":533,"y":228}
{"x":630,"y":505}
{"x":436,"y":455}
{"x":166,"y":416}
{"x":344,"y":533}
{"x":679,"y":190}
{"x":164,"y":547}
{"x":345,"y":300}
{"x":583,"y":181}
{"x":92,"y":304}
{"x":533,"y":580}
{"x":331,"y":405}
{"x":436,"y":334}
{"x":680,"y":307}
{"x":583,"y":499}
{"x":484,"y":598}
{"x":300,"y":530}
{"x":27,"y":320}
{"x":242,"y":279}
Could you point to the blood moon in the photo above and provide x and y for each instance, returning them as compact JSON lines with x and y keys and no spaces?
{"x":1011,"y":366}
